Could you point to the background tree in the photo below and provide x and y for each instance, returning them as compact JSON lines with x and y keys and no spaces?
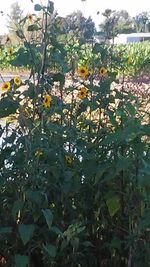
{"x":13,"y":20}
{"x":81,"y":26}
{"x":116,"y":22}
{"x":124,"y":22}
{"x":15,"y":16}
{"x":107,"y":28}
{"x":142,"y":22}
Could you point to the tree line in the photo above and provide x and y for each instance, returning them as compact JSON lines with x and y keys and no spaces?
{"x":114,"y":22}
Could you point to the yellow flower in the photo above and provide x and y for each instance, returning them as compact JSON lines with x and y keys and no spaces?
{"x":10,"y":51}
{"x":83,"y":92}
{"x":103,"y":71}
{"x":6,"y":86}
{"x":30,"y":18}
{"x":83,"y":71}
{"x":129,"y":60}
{"x":39,"y":153}
{"x":17,"y":80}
{"x":47,"y":101}
{"x":69,"y":159}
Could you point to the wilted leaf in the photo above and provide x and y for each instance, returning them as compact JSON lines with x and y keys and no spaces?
{"x":18,"y":205}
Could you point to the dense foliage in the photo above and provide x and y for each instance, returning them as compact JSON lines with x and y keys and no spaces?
{"x":74,"y":157}
{"x":129,"y":59}
{"x":134,"y":57}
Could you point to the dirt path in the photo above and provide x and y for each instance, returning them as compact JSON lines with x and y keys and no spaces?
{"x":8,"y":76}
{"x":139,"y":84}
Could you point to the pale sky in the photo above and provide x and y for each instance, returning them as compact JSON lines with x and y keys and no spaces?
{"x":89,"y":7}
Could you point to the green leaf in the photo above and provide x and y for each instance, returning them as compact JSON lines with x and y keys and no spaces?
{"x":56,"y":230}
{"x":50,"y":7}
{"x":123,"y":163}
{"x":26,"y":232}
{"x":34,"y":196}
{"x":113,"y":204}
{"x":97,"y":48}
{"x":146,"y":129}
{"x":37,"y":7}
{"x":101,"y":170}
{"x":5,"y":230}
{"x":50,"y":249}
{"x":23,"y":58}
{"x":21,"y":260}
{"x":48,"y":216}
{"x":90,"y":167}
{"x":10,"y":139}
{"x":33,"y":27}
{"x":30,"y":92}
{"x":145,"y":222}
{"x":75,"y":243}
{"x":7,"y":107}
{"x":116,"y":243}
{"x":64,"y":244}
{"x":87,"y":244}
{"x":59,"y":77}
{"x":20,"y":34}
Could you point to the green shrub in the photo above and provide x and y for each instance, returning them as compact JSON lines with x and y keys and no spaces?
{"x":74,"y":159}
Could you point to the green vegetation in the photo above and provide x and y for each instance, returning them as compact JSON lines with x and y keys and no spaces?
{"x":134,"y":57}
{"x":121,"y":22}
{"x":129,"y":59}
{"x":74,"y":154}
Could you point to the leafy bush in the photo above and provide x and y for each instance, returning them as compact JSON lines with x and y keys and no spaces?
{"x":74,"y":161}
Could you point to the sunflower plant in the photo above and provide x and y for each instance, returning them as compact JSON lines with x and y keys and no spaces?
{"x":74,"y":161}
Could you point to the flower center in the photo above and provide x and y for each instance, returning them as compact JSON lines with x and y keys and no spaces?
{"x":82,"y":71}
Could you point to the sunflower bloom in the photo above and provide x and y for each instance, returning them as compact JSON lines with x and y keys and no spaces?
{"x":38,"y":153}
{"x":69,"y":159}
{"x":83,"y":93}
{"x":103,"y":71}
{"x":17,"y":80}
{"x":83,"y":71}
{"x":6,"y":86}
{"x":47,"y":101}
{"x":10,"y":51}
{"x":30,"y":18}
